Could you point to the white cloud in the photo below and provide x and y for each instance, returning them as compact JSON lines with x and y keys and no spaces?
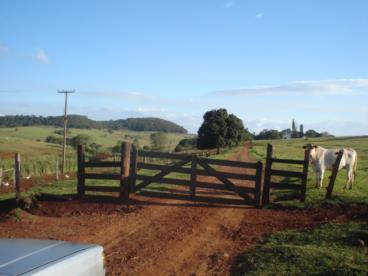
{"x":228,"y":4}
{"x":41,"y":56}
{"x":312,"y":87}
{"x":259,"y":15}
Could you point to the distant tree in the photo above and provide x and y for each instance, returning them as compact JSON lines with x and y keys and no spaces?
{"x":268,"y":135}
{"x":311,"y":133}
{"x":212,"y":133}
{"x":235,"y":130}
{"x":159,"y":141}
{"x":219,"y":129}
{"x":293,"y":126}
{"x":186,"y":144}
{"x":294,"y":131}
{"x":80,"y":139}
{"x":54,"y":140}
{"x":247,"y":136}
{"x":301,"y":130}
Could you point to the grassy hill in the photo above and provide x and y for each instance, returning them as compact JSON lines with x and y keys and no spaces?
{"x":39,"y":157}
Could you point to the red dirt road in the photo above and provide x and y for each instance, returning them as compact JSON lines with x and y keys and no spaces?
{"x":160,"y":236}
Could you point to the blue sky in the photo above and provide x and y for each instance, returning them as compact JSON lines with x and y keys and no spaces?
{"x":265,"y":61}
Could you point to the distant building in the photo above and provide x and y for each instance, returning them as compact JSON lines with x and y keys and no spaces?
{"x":286,"y":133}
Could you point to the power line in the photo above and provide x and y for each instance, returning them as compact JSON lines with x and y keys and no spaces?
{"x":65,"y":127}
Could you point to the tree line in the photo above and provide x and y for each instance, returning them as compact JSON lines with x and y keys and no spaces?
{"x":83,"y":122}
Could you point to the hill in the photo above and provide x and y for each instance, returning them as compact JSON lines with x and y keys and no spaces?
{"x":83,"y":122}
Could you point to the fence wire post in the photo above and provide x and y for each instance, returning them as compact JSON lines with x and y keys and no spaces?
{"x":1,"y":177}
{"x":81,"y":171}
{"x":57,"y":169}
{"x":17,"y":176}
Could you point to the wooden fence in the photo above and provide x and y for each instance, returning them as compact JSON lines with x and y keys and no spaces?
{"x":269,"y":172}
{"x":132,"y":180}
{"x":16,"y":175}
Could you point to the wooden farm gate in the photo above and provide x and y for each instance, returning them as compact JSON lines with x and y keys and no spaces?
{"x":123,"y":176}
{"x":194,"y":166}
{"x":269,"y":183}
{"x":165,"y":168}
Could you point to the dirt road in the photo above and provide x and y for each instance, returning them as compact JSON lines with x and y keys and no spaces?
{"x":159,"y":236}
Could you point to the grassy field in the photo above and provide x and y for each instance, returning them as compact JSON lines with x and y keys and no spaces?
{"x":39,"y":157}
{"x":292,"y":149}
{"x":331,"y":249}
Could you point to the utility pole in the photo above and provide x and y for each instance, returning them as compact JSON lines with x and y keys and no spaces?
{"x":65,"y":129}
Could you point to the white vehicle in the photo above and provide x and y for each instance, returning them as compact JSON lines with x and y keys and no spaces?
{"x":48,"y":257}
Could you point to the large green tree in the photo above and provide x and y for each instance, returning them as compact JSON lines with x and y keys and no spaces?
{"x":219,"y":129}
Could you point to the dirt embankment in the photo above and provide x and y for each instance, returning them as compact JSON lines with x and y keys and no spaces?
{"x":160,"y":236}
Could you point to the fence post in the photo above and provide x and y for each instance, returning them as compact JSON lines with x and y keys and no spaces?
{"x":305,"y":175}
{"x":124,"y":170}
{"x":258,"y":187}
{"x":267,"y":177}
{"x":335,"y":169}
{"x":81,"y":171}
{"x":57,"y":169}
{"x":133,"y":170}
{"x":17,"y":176}
{"x":193,"y":176}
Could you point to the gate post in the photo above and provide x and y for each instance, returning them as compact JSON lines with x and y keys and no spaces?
{"x":124,"y":170}
{"x":133,"y":170}
{"x":193,"y":176}
{"x":258,"y":187}
{"x":81,"y":171}
{"x":267,"y":177}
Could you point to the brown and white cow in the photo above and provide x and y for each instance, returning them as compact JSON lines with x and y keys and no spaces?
{"x":322,"y":159}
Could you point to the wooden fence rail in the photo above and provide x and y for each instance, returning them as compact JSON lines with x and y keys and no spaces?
{"x":269,"y":172}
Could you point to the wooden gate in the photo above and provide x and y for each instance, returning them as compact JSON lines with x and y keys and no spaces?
{"x":194,"y":166}
{"x":139,"y":169}
{"x":269,"y":183}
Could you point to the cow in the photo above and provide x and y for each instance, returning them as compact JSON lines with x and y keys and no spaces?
{"x":322,"y":159}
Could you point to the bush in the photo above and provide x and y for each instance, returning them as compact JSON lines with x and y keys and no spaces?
{"x":186,"y":144}
{"x":54,"y":140}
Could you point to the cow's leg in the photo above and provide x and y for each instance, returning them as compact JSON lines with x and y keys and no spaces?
{"x":350,"y":178}
{"x":321,"y":174}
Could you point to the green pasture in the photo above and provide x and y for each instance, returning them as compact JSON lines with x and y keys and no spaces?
{"x":39,"y":157}
{"x":330,"y":249}
{"x":292,"y":149}
{"x":30,"y":141}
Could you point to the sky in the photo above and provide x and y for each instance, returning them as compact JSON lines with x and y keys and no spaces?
{"x":265,"y":61}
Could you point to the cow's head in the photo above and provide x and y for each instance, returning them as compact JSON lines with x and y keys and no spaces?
{"x":312,"y":151}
